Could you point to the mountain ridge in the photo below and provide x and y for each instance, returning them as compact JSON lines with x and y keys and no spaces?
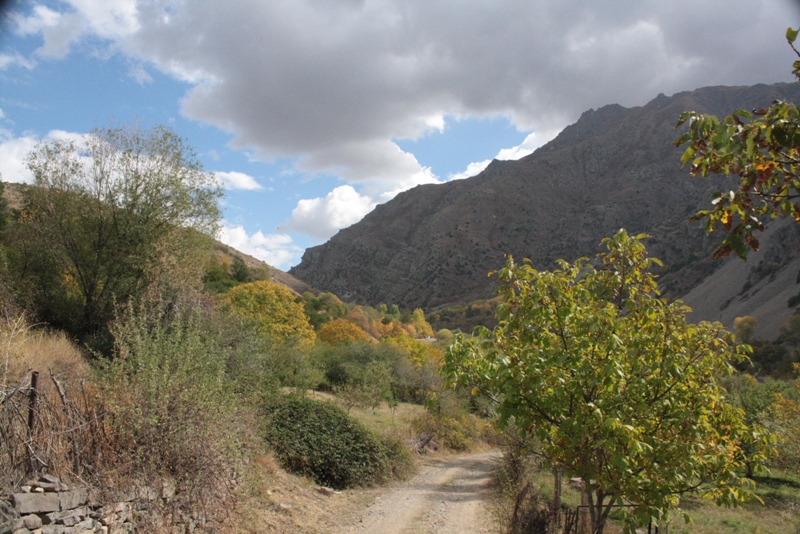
{"x":432,"y":246}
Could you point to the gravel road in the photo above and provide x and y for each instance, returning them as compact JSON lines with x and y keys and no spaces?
{"x":448,"y":496}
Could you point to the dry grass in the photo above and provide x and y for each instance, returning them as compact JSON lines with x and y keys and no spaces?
{"x":63,"y":436}
{"x":24,"y":349}
{"x":382,"y":420}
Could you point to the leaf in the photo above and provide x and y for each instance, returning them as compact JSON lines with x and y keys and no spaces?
{"x":791,"y":35}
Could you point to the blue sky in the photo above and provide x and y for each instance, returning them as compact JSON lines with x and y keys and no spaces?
{"x":311,"y":112}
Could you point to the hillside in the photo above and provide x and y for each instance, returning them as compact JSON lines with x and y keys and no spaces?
{"x":615,"y":167}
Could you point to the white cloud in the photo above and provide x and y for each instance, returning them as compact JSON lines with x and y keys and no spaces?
{"x":330,"y":84}
{"x":140,"y":74}
{"x":13,"y":153}
{"x":237,"y":180}
{"x":106,"y":19}
{"x":42,"y":17}
{"x":323,"y":217}
{"x":473,"y":169}
{"x":278,"y":250}
{"x":7,"y":60}
{"x":531,"y":142}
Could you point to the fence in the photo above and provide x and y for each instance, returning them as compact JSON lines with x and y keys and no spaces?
{"x":46,"y":429}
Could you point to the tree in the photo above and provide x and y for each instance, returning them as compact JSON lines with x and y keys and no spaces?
{"x":340,"y":331}
{"x":745,"y":327}
{"x":617,"y":386}
{"x":108,"y":216}
{"x":786,"y":416}
{"x":274,"y":310}
{"x":762,"y":148}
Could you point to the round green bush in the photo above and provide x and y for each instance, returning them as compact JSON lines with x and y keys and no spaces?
{"x":320,"y":440}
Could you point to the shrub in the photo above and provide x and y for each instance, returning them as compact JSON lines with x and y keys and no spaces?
{"x":171,"y":413}
{"x":402,"y":462}
{"x":457,"y":431}
{"x":319,"y":440}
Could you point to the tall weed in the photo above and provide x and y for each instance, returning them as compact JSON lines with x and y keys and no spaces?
{"x":171,"y":409}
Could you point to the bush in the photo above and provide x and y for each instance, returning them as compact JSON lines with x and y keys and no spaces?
{"x":319,"y":440}
{"x":402,"y":462}
{"x":171,"y":414}
{"x":457,"y":431}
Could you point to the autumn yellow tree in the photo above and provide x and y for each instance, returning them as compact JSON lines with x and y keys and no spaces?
{"x":341,"y":331}
{"x":274,"y":310}
{"x":419,"y":352}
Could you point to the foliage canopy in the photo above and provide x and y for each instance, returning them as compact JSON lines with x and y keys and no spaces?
{"x":763,"y":149}
{"x":110,"y":215}
{"x":617,"y":386}
{"x":340,"y":331}
{"x":274,"y":310}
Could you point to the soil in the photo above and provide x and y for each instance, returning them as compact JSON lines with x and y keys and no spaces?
{"x":448,"y":495}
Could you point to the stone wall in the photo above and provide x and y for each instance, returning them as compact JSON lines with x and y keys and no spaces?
{"x":48,"y":506}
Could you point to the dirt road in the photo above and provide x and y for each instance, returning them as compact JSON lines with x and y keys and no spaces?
{"x":448,"y":496}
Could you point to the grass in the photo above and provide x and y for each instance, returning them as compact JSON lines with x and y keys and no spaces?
{"x":23,"y":349}
{"x":382,"y":420}
{"x":780,"y":513}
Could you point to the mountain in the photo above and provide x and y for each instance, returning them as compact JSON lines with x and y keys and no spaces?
{"x":614,"y":168}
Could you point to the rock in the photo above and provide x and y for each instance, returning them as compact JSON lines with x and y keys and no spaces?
{"x":146,"y":493}
{"x":32,"y":521}
{"x":48,"y":486}
{"x":284,"y":507}
{"x":72,"y":499}
{"x":9,"y":519}
{"x":36,"y":503}
{"x":576,"y":483}
{"x":324,"y":491}
{"x":86,"y":525}
{"x":167,"y":490}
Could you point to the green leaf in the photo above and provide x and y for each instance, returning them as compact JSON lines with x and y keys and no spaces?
{"x":791,"y":35}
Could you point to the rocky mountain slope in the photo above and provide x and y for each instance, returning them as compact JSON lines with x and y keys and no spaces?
{"x":615,"y":167}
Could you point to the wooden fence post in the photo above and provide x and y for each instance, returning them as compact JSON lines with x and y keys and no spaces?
{"x":32,"y":403}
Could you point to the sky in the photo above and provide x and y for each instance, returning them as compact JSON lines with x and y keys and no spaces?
{"x":312,"y":112}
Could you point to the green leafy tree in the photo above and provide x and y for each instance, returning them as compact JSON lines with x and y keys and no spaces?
{"x":762,"y":149}
{"x":617,"y":386}
{"x":108,"y":217}
{"x":274,"y":310}
{"x":239,"y":270}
